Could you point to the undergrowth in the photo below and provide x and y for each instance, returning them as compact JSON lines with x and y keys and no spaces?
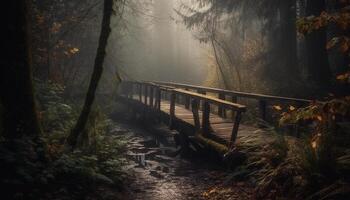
{"x":64,"y":175}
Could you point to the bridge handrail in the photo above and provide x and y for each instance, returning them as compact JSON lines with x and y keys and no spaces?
{"x":235,"y":93}
{"x":213,"y":100}
{"x":150,"y":94}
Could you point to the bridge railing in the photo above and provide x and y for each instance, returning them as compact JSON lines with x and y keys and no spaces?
{"x":233,"y":96}
{"x":152,"y":94}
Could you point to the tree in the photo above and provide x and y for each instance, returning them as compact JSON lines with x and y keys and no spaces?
{"x":96,"y":75}
{"x":317,"y":56}
{"x":22,"y":152}
{"x":19,"y":110}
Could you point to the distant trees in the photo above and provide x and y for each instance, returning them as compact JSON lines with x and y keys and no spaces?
{"x":60,"y":33}
{"x":262,"y":43}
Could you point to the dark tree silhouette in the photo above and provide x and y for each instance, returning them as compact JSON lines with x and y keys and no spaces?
{"x":19,"y":112}
{"x":96,"y":75}
{"x":317,"y":63}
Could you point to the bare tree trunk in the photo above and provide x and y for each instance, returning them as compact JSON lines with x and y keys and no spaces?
{"x":96,"y":75}
{"x":17,"y":99}
{"x":318,"y":65}
{"x":289,"y":38}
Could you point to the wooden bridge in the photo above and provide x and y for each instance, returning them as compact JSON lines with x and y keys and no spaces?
{"x":210,"y":115}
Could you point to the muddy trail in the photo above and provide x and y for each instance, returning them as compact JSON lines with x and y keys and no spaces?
{"x":156,"y":172}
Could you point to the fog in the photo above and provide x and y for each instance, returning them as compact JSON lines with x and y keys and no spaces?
{"x":156,"y":45}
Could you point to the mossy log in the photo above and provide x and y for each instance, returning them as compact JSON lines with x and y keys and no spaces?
{"x":211,"y":144}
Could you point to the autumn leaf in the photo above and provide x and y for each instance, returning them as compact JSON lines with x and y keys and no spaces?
{"x":344,"y":47}
{"x":332,"y":43}
{"x":314,"y":144}
{"x":343,"y":77}
{"x":291,"y":108}
{"x":319,"y":118}
{"x":277,"y":107}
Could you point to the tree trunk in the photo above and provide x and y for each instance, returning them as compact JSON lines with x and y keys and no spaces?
{"x":19,"y":111}
{"x":96,"y":75}
{"x":317,"y":64}
{"x":289,"y":38}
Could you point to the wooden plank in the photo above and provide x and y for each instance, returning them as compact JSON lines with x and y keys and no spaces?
{"x":172,"y":110}
{"x":206,"y":117}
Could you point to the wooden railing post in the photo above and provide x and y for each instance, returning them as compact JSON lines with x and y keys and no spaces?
{"x":235,"y":127}
{"x":204,"y":93}
{"x":205,"y":118}
{"x":151,"y":96}
{"x":195,"y":107}
{"x":172,"y":109}
{"x":233,"y":100}
{"x":131,"y":91}
{"x":159,"y":98}
{"x":262,"y":108}
{"x":221,"y":110}
{"x":140,"y":92}
{"x":146,"y":94}
{"x":187,"y":101}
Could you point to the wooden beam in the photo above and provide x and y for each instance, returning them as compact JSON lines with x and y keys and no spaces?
{"x":205,"y":118}
{"x":221,"y":110}
{"x":262,"y":108}
{"x":146,"y":94}
{"x":235,"y":127}
{"x":151,"y":96}
{"x":213,"y":100}
{"x":236,"y":93}
{"x":172,"y":110}
{"x":187,"y":102}
{"x":195,"y":110}
{"x":140,"y":92}
{"x":158,"y":98}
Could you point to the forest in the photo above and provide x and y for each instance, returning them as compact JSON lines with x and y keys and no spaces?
{"x":175,"y":99}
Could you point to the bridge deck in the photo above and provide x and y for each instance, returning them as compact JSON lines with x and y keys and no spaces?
{"x":221,"y":128}
{"x":179,"y":108}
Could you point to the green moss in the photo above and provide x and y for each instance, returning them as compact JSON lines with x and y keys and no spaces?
{"x":220,"y":148}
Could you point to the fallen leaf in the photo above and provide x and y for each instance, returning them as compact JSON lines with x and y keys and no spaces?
{"x":291,"y":108}
{"x":277,"y":107}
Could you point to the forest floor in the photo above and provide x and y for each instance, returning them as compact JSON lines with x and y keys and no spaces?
{"x":156,"y":174}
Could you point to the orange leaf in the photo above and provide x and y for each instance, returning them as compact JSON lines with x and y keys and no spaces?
{"x":277,"y":107}
{"x":319,"y":117}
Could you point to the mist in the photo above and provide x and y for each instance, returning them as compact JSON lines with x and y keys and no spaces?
{"x":156,"y":46}
{"x":175,"y":99}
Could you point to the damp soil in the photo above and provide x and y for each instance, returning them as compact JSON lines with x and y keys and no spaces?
{"x":156,"y":171}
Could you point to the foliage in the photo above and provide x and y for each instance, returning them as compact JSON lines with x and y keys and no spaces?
{"x":323,"y":156}
{"x":339,"y":18}
{"x":98,"y":162}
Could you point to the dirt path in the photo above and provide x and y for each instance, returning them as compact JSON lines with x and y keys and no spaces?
{"x":158,"y":175}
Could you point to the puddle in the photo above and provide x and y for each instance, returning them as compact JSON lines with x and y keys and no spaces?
{"x":158,"y":175}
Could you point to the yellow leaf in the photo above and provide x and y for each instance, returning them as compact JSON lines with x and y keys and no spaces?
{"x":277,"y":107}
{"x":74,"y":50}
{"x":344,"y":47}
{"x":291,"y":108}
{"x":314,"y":144}
{"x":319,"y":117}
{"x":343,"y":77}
